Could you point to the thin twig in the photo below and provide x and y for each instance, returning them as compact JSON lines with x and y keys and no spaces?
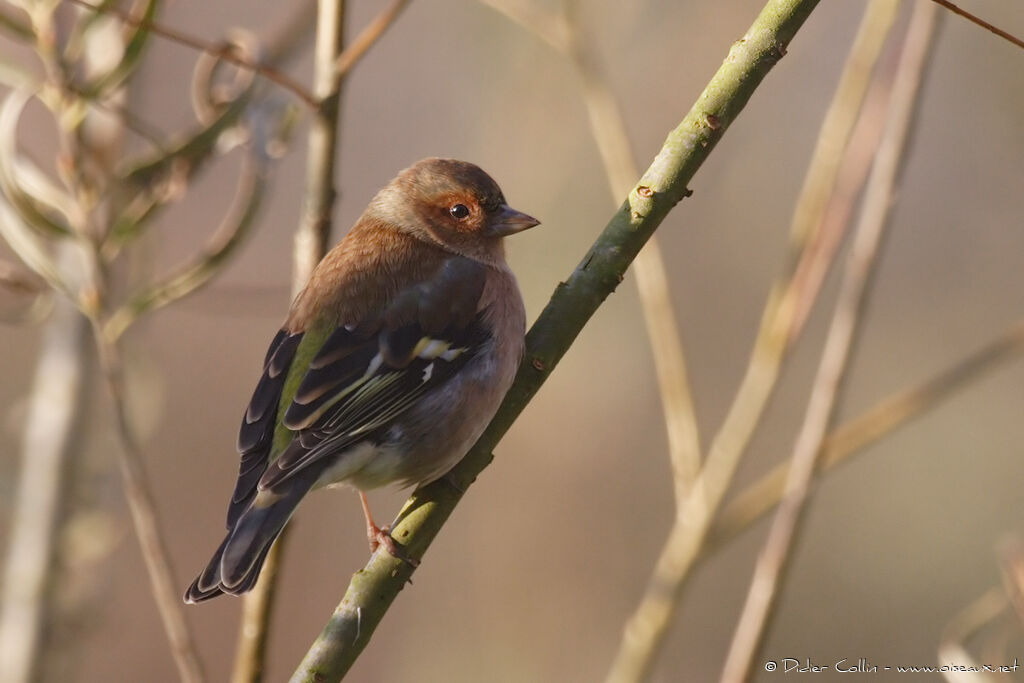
{"x":550,"y":27}
{"x":207,"y":262}
{"x":310,"y":245}
{"x":952,"y":644}
{"x":15,"y":26}
{"x":368,"y":37}
{"x":772,"y":563}
{"x":980,"y":22}
{"x":856,"y":434}
{"x":225,"y":52}
{"x":20,"y":280}
{"x":647,"y":626}
{"x":56,"y":404}
{"x":849,"y":180}
{"x":257,"y":609}
{"x":143,"y":510}
{"x":609,"y":130}
{"x":289,"y":38}
{"x":373,"y":589}
{"x":563,"y":33}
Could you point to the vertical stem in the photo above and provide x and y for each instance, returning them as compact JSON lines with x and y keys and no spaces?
{"x":772,"y":562}
{"x":315,"y":227}
{"x":50,"y":426}
{"x":647,"y":626}
{"x":310,"y":245}
{"x":609,"y":131}
{"x":142,"y":505}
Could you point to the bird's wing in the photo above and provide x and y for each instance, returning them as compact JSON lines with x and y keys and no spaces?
{"x":370,"y":371}
{"x":256,"y":434}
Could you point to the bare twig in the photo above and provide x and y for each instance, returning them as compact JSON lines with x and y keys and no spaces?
{"x":288,"y":38}
{"x":980,"y":22}
{"x":227,"y":53}
{"x":257,"y":608}
{"x":550,"y":27}
{"x":609,"y":131}
{"x":563,"y":33}
{"x":952,"y":644}
{"x":15,"y":26}
{"x":858,"y":433}
{"x":1011,"y":562}
{"x":309,"y":247}
{"x":839,"y":344}
{"x":368,"y":37}
{"x":50,"y":430}
{"x":143,"y":509}
{"x":19,"y":280}
{"x":315,"y":223}
{"x":373,"y":589}
{"x":206,"y":263}
{"x":646,"y":628}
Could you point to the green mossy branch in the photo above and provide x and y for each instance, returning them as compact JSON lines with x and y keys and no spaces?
{"x":664,"y":184}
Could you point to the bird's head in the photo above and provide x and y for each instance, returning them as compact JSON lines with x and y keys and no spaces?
{"x":452,"y":204}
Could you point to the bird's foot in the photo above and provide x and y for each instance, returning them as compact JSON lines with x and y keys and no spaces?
{"x":381,"y":536}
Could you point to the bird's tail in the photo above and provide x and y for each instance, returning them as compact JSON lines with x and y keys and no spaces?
{"x":237,"y":562}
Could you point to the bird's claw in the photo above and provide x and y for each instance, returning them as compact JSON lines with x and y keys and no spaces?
{"x":381,"y":536}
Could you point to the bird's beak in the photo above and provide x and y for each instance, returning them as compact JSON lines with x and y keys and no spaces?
{"x":508,"y":221}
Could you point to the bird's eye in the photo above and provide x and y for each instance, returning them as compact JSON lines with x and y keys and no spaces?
{"x":459,"y":211}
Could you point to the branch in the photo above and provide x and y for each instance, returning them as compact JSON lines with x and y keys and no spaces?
{"x":563,"y":33}
{"x":367,"y":38}
{"x":50,"y":442}
{"x":225,"y":52}
{"x":207,"y":262}
{"x":832,"y":371}
{"x":980,"y":22}
{"x":952,"y":644}
{"x":309,"y":247}
{"x":374,"y":588}
{"x":609,"y":131}
{"x":143,"y":509}
{"x":646,"y":628}
{"x":869,"y":427}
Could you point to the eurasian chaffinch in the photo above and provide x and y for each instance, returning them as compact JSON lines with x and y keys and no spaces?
{"x":390,"y":364}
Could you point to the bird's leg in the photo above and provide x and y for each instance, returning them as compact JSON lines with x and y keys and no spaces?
{"x":381,"y":535}
{"x":376,"y":535}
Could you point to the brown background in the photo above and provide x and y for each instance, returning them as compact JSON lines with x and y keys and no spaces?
{"x":536,"y":572}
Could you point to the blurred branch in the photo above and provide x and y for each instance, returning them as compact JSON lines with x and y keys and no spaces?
{"x":645,"y":629}
{"x":19,"y":280}
{"x":1011,"y":562}
{"x":952,"y":645}
{"x":225,"y":52}
{"x":662,"y":186}
{"x":130,"y":57}
{"x":609,"y":130}
{"x":313,"y":232}
{"x":368,"y":37}
{"x":254,"y":627}
{"x":842,"y":334}
{"x":550,"y":27}
{"x":310,"y":245}
{"x":294,"y":33}
{"x":55,"y":406}
{"x":207,"y":263}
{"x":853,"y":436}
{"x":980,"y":22}
{"x":15,"y":26}
{"x":869,"y":427}
{"x":143,"y":510}
{"x":563,"y":33}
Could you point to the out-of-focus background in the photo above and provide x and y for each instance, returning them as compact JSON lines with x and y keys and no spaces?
{"x":535,"y":574}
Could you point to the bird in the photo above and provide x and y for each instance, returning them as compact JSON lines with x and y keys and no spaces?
{"x":390,"y":364}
